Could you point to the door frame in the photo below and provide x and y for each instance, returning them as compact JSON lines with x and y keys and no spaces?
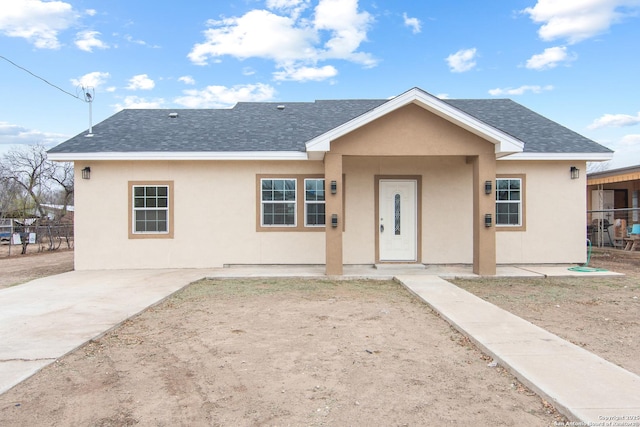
{"x":418,"y":180}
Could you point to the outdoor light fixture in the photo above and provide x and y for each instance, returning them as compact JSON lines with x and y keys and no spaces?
{"x":334,"y":220}
{"x":86,"y":173}
{"x":487,"y":220}
{"x":334,"y":187}
{"x":487,"y":187}
{"x":575,"y":172}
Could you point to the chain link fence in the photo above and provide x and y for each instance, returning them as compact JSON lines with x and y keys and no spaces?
{"x":47,"y":237}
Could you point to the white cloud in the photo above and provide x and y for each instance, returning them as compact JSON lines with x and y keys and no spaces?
{"x":94,"y":79}
{"x":39,"y":22}
{"x":615,"y":120}
{"x":335,"y":30}
{"x":11,"y":134}
{"x":306,"y":73}
{"x":627,"y":151}
{"x":550,"y":58}
{"x":136,"y":102}
{"x":292,"y":7}
{"x":259,"y":33}
{"x":188,"y":80}
{"x":520,"y":90}
{"x":130,"y":39}
{"x":443,"y":96}
{"x":413,"y":23}
{"x":463,"y":60}
{"x":87,"y":40}
{"x":632,"y":140}
{"x":141,"y":82}
{"x":348,"y":29}
{"x":578,"y":20}
{"x":91,"y":12}
{"x":221,"y":96}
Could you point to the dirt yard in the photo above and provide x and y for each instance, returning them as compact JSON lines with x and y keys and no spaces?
{"x":602,"y":315}
{"x":17,"y":268}
{"x":321,"y":353}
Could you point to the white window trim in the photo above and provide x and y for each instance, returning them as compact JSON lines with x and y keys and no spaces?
{"x":136,"y":209}
{"x":518,"y":202}
{"x":306,"y":203}
{"x":295,"y":204}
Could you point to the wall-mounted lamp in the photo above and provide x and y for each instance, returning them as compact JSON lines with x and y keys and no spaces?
{"x":487,"y":220}
{"x":334,"y":220}
{"x":334,"y":187}
{"x":86,"y":173}
{"x":575,"y":172}
{"x":487,"y":187}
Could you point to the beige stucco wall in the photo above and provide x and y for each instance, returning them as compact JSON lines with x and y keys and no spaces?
{"x":215,"y":204}
{"x":215,"y":214}
{"x":214,"y":217}
{"x":446,"y":206}
{"x":555,"y":215}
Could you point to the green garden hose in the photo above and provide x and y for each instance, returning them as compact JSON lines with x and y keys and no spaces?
{"x":585,"y":268}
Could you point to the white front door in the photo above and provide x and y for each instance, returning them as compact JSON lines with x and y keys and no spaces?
{"x":397,"y":224}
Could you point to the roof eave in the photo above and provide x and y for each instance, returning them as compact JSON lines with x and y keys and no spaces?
{"x":179,"y":155}
{"x":589,"y":157}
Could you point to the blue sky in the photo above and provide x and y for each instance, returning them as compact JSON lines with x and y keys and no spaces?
{"x":574,"y":61}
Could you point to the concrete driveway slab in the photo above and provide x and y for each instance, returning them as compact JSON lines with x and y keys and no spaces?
{"x":45,"y":319}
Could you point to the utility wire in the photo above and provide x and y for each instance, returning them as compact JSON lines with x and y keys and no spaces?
{"x":38,"y":77}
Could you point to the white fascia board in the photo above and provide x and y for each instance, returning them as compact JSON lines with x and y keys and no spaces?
{"x":504,"y":143}
{"x":181,"y":155}
{"x":589,"y":157}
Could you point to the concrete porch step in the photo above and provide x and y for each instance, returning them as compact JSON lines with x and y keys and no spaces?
{"x":399,"y":266}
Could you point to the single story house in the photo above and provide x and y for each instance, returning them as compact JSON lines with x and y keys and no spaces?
{"x":412,"y":179}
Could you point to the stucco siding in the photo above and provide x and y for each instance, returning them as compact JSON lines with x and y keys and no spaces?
{"x":214,"y":217}
{"x":555,"y":215}
{"x":446,"y":206}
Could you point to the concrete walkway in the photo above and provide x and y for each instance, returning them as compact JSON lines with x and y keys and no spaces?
{"x":581,"y":385}
{"x":45,"y":319}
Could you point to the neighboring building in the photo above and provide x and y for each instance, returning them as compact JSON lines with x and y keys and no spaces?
{"x":612,"y":203}
{"x":58,"y":212}
{"x":413,"y":179}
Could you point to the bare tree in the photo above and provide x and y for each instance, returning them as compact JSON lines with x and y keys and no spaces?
{"x":34,"y":181}
{"x":29,"y":168}
{"x":62,"y":174}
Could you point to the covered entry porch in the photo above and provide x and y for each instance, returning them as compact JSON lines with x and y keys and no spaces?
{"x":410,"y":210}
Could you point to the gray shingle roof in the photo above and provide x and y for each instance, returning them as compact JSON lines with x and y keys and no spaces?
{"x":539,"y":134}
{"x":262,"y":126}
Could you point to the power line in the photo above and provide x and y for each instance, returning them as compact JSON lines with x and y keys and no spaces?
{"x":38,"y":77}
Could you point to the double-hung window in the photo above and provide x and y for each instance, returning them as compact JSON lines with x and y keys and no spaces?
{"x":151,"y":210}
{"x":314,"y":206}
{"x":509,"y":199}
{"x":278,"y":202}
{"x":291,"y":203}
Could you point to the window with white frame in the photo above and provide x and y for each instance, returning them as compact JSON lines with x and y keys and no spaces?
{"x":150,"y":209}
{"x":314,"y":204}
{"x":509,"y":202}
{"x":278,"y":202}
